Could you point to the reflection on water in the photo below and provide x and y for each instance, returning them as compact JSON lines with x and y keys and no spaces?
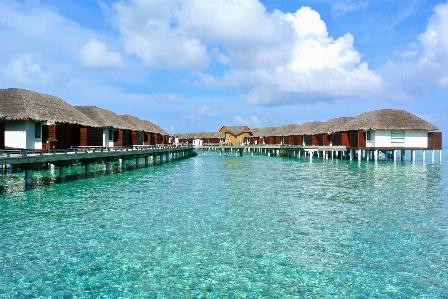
{"x":228,"y":227}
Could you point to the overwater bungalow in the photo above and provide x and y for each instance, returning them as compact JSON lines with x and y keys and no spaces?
{"x":391,"y":130}
{"x":328,"y":133}
{"x":307,"y":133}
{"x":141,"y":130}
{"x":32,"y":120}
{"x":235,"y":134}
{"x":263,"y":136}
{"x":112,"y":130}
{"x":282,"y":135}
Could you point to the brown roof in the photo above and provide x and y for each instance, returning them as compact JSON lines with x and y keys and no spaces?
{"x":388,"y":119}
{"x":307,"y":128}
{"x":333,"y":125}
{"x":265,"y":132}
{"x":157,"y":128}
{"x":284,"y":130}
{"x":105,"y":118}
{"x":235,"y":130}
{"x":22,"y":104}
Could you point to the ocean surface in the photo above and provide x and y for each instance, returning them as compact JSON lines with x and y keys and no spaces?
{"x":228,"y":227}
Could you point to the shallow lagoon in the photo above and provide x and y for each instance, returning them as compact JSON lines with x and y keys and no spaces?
{"x":229,"y":227}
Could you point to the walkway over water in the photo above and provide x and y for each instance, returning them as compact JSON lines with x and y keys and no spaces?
{"x":30,"y":161}
{"x":35,"y":160}
{"x":326,"y":152}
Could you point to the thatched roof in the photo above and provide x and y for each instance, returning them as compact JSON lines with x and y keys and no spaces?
{"x":388,"y":119}
{"x":22,"y":104}
{"x":158,"y":129}
{"x":332,"y":125}
{"x":105,"y":118}
{"x":235,"y":130}
{"x":307,"y":128}
{"x":284,"y":130}
{"x":141,"y":125}
{"x":265,"y":132}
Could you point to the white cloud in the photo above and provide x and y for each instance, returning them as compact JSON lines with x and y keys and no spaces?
{"x":28,"y":70}
{"x":205,"y":110}
{"x":96,"y":55}
{"x":428,"y":73}
{"x":435,"y":38}
{"x":252,"y":121}
{"x":275,"y":58}
{"x":340,"y":8}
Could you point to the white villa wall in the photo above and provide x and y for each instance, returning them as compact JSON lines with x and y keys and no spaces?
{"x":106,"y":141}
{"x":379,"y":138}
{"x":413,"y":139}
{"x":21,"y":134}
{"x":416,"y":139}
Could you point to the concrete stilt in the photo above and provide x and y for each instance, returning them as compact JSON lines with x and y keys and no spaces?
{"x":413,"y":155}
{"x":432,"y":156}
{"x":424,"y":156}
{"x":108,"y":171}
{"x":137,"y":162}
{"x":87,"y":169}
{"x":123,"y":165}
{"x":395,"y":155}
{"x":146,"y":161}
{"x":28,"y":177}
{"x":403,"y":155}
{"x":359,"y":154}
{"x":376,"y":155}
{"x":440,"y":155}
{"x":62,"y":172}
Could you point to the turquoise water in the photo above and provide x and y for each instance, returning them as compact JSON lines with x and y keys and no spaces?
{"x":229,"y":227}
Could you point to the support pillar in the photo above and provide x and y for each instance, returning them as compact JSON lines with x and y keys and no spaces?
{"x":424,"y":156}
{"x":136,"y":162}
{"x":146,"y":161}
{"x":62,"y":172}
{"x":440,"y":155}
{"x":87,"y":170}
{"x":403,"y":155}
{"x":28,"y":177}
{"x":412,"y":155}
{"x":395,"y":155}
{"x":123,"y":165}
{"x":376,"y":155}
{"x":359,"y":154}
{"x":108,"y":167}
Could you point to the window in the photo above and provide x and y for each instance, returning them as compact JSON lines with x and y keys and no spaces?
{"x":397,"y":138}
{"x":37,"y":130}
{"x":111,"y":134}
{"x":368,"y":135}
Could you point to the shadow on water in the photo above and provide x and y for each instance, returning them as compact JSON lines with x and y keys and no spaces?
{"x":14,"y":181}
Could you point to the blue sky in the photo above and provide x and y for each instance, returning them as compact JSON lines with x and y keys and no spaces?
{"x":198,"y":65}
